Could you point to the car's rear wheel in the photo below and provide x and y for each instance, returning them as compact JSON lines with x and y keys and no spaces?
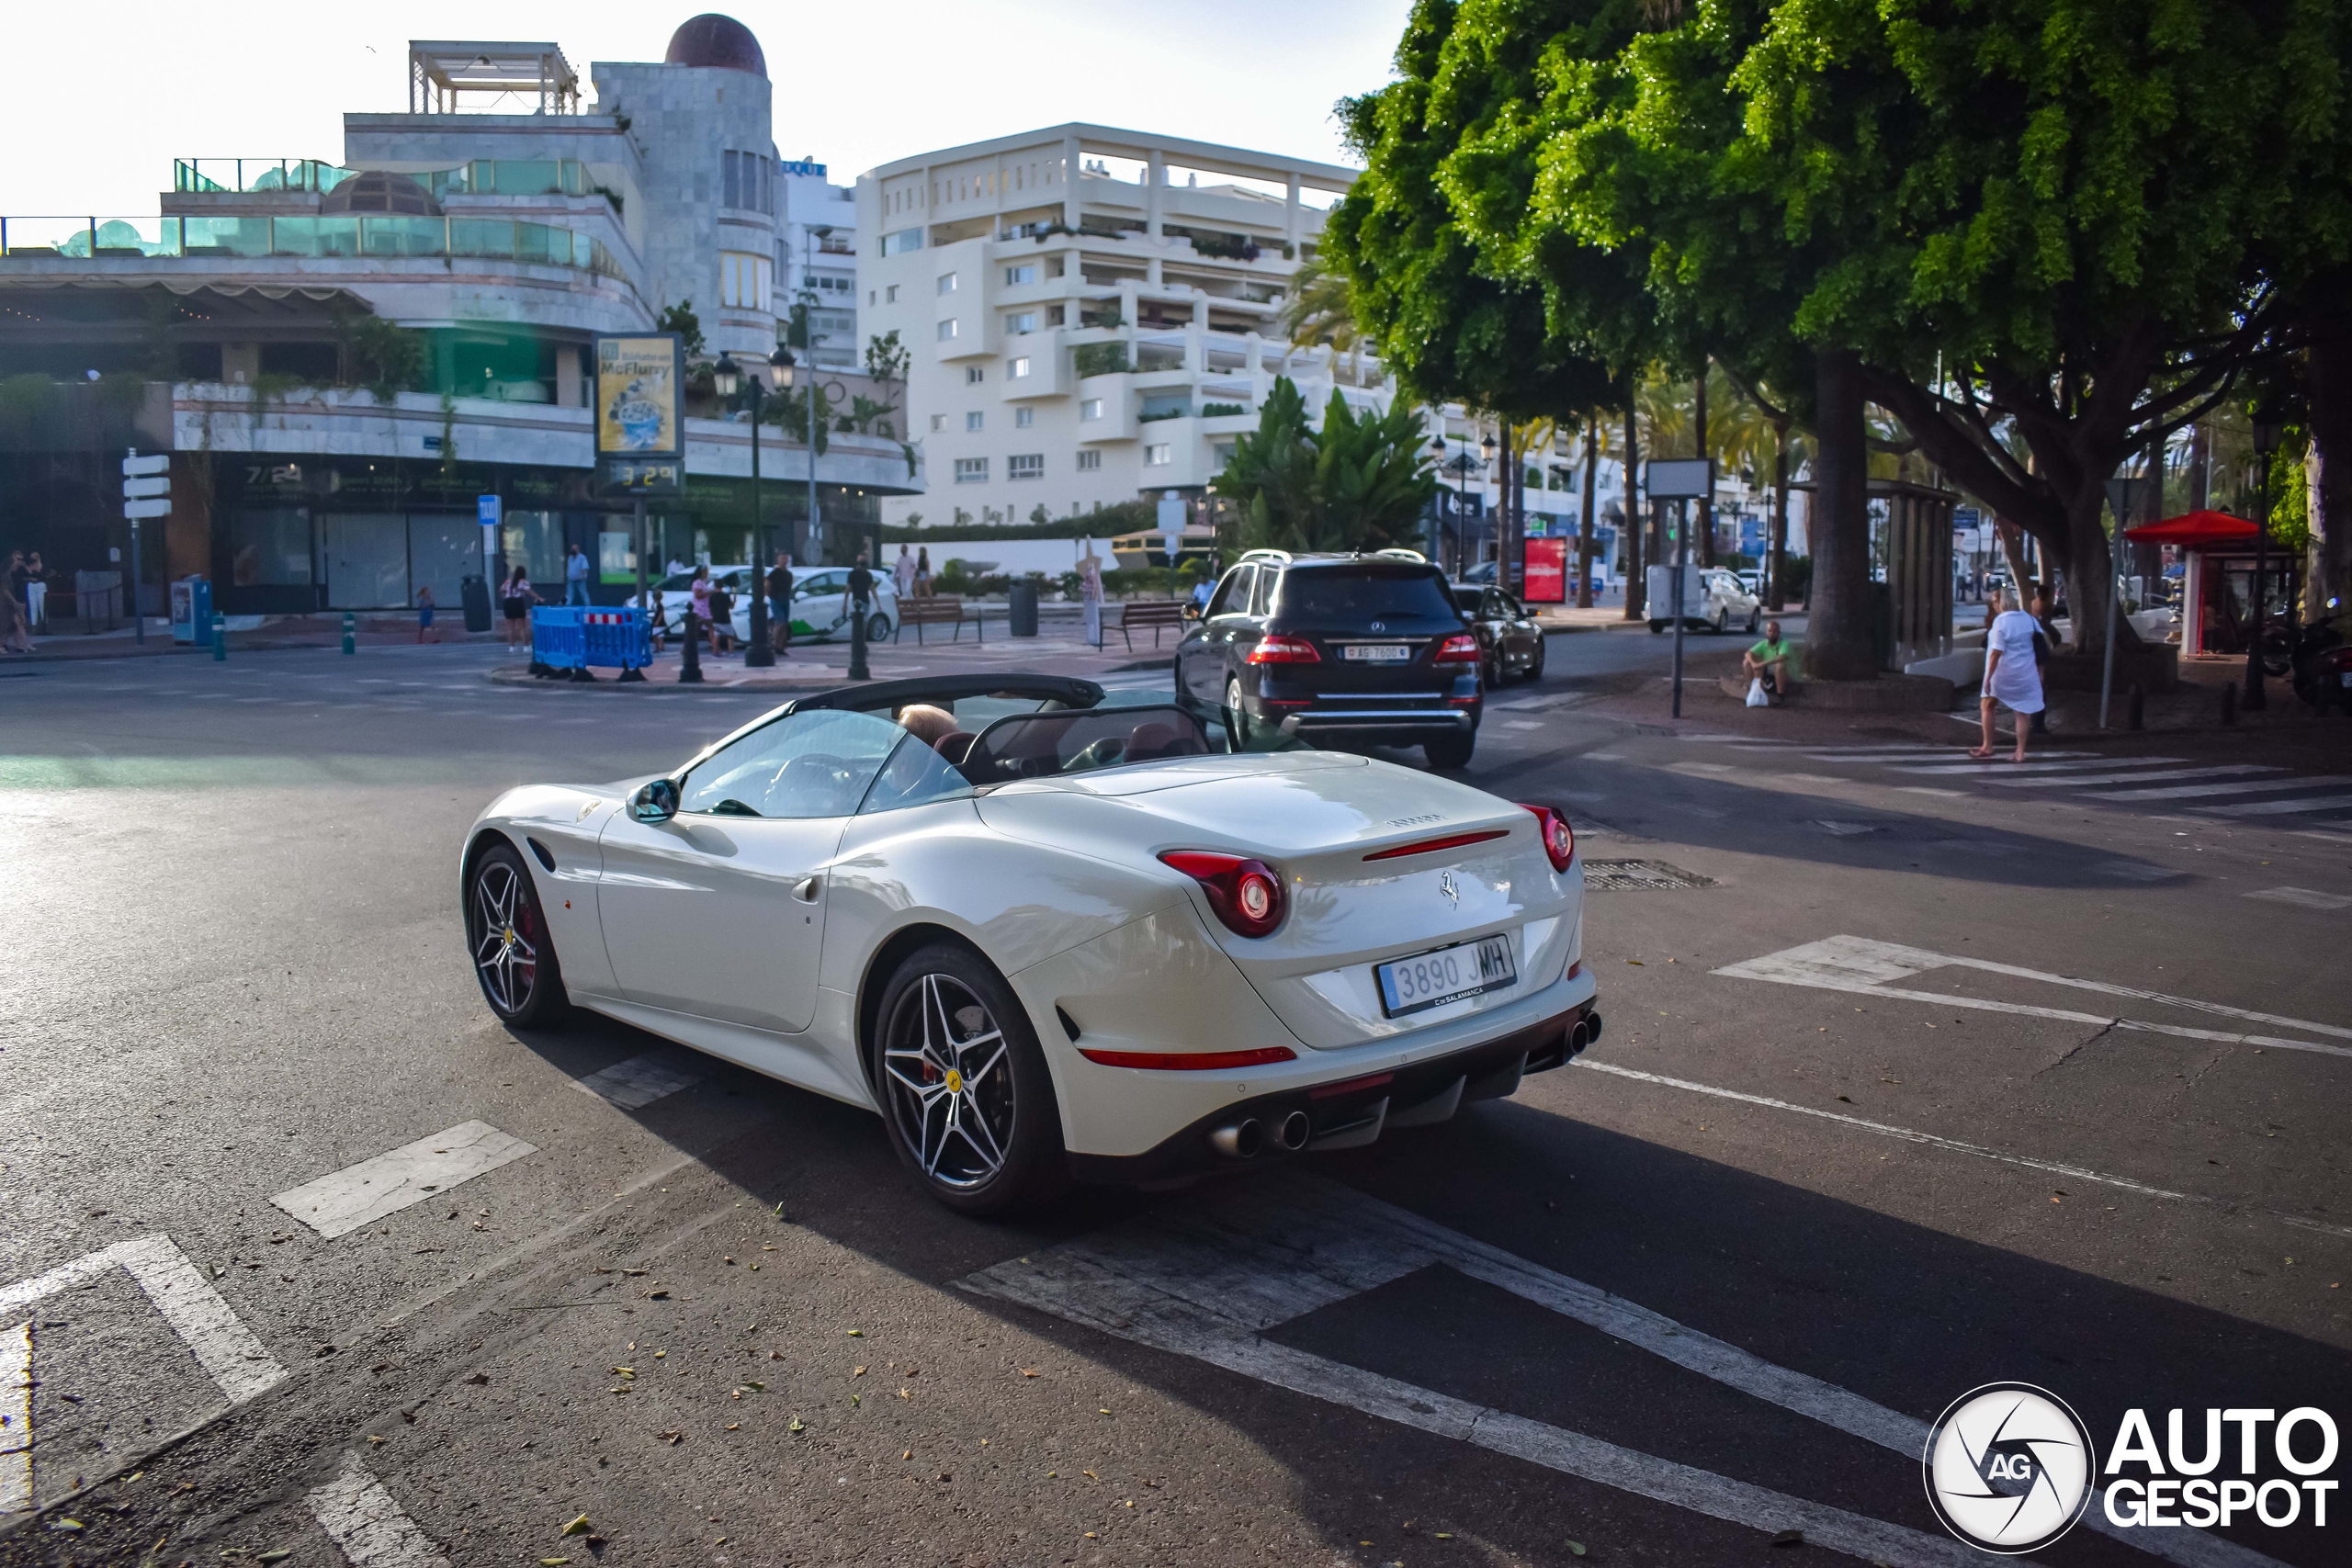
{"x":1722,"y":620}
{"x":507,"y":935}
{"x":963,"y":1085}
{"x":1451,"y":752}
{"x":1236,"y":717}
{"x":877,"y":628}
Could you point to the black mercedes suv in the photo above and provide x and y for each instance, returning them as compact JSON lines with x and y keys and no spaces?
{"x":1364,"y":647}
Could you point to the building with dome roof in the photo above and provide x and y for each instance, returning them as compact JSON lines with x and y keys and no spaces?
{"x":501,"y":221}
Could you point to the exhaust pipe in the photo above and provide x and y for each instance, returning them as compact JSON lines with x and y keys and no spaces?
{"x":1592,"y":1028}
{"x":1239,"y":1140}
{"x":1295,"y":1130}
{"x":1578,"y":1038}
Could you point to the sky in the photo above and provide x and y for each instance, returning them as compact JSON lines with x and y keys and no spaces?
{"x":97,"y":100}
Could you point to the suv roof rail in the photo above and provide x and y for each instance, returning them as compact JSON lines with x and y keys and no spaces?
{"x":1281,"y":555}
{"x":1414,"y":555}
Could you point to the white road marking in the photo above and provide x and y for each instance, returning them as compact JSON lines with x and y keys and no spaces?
{"x":1206,"y":1281}
{"x":641,"y":1081}
{"x":223,"y":1345}
{"x":2278,"y":808}
{"x":343,"y":1201}
{"x":17,"y":1419}
{"x":1978,"y":767}
{"x":372,"y":1530}
{"x":1864,"y":966}
{"x":2252,"y":788}
{"x":2310,"y":899}
{"x":2235,"y":770}
{"x":1519,"y":724}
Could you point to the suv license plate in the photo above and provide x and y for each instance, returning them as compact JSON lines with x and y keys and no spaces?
{"x":1434,"y":979}
{"x":1378,"y":652}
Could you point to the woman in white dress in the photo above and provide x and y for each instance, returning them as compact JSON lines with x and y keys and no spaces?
{"x":1090,"y":593}
{"x":2012,"y":677}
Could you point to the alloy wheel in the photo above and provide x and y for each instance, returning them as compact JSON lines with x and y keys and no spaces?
{"x":951,"y":1081}
{"x":506,"y":936}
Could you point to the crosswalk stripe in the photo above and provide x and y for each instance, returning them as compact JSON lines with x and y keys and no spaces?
{"x":2071,"y":781}
{"x":17,"y":1419}
{"x":2278,"y":808}
{"x":372,"y":1530}
{"x":342,"y":1200}
{"x":2052,"y":767}
{"x":641,"y":1081}
{"x":2252,"y":787}
{"x":2308,"y":897}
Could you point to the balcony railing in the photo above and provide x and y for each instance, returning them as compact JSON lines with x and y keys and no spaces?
{"x":483,"y":176}
{"x":351,"y":237}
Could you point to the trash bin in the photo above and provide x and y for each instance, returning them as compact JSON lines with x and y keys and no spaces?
{"x":474,"y":594}
{"x":1022,"y":610}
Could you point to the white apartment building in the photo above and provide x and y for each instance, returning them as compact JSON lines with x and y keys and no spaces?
{"x":824,"y":264}
{"x":1092,"y":312}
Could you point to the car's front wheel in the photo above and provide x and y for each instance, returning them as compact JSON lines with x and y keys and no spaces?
{"x":963,"y":1085}
{"x":507,"y":934}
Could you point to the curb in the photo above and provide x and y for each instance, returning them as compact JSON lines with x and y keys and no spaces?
{"x":520,"y":675}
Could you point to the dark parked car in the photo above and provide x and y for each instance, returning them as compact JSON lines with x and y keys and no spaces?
{"x":1365,"y":647}
{"x":1509,"y":639}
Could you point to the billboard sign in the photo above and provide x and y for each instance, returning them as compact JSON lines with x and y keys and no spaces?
{"x":1546,"y":580}
{"x":641,"y":412}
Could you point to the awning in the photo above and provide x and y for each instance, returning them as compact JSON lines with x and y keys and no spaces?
{"x":2192,"y":530}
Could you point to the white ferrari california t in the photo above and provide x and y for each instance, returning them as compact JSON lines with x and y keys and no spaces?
{"x":1049,"y":936}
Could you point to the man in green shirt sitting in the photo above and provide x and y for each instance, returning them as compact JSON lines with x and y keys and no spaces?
{"x":1768,"y":662}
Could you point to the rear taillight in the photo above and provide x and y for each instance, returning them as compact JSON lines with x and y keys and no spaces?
{"x":1281,"y":649}
{"x":1458,"y":650}
{"x":1559,"y":839}
{"x":1246,"y":894}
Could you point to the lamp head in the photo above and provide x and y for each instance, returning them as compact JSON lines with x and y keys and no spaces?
{"x":726,"y":376}
{"x":2267,"y":422}
{"x":820,"y":230}
{"x":780,"y":365}
{"x":1488,"y":446}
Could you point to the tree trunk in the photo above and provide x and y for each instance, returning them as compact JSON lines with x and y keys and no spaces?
{"x":1707,"y":501}
{"x":2012,"y":538}
{"x":1838,"y":641}
{"x":2200,"y":466}
{"x":2331,"y":414}
{"x":1631,"y":553}
{"x":1776,"y":562}
{"x":1584,"y":514}
{"x":2090,"y":570}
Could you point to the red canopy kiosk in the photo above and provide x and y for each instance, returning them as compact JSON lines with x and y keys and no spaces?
{"x":2217,"y":590}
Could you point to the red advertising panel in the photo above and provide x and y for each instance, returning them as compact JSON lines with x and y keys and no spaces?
{"x":1547,"y":571}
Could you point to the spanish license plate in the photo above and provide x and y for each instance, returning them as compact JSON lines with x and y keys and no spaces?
{"x":1434,"y":979}
{"x":1378,"y":652}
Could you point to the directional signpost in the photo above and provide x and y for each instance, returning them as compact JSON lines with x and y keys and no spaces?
{"x":146,"y":492}
{"x":1681,"y":480}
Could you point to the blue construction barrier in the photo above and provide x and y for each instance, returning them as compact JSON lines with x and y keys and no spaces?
{"x":566,"y":640}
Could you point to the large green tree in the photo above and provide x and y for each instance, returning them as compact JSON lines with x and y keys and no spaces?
{"x":1361,"y":483}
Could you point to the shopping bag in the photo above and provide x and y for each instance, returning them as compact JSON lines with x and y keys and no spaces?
{"x":1755,"y":697}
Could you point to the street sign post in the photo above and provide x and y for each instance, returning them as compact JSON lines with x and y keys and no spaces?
{"x":1681,"y":481}
{"x":490,"y":510}
{"x":146,"y":492}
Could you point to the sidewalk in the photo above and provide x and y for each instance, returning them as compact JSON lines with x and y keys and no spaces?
{"x":814,"y":666}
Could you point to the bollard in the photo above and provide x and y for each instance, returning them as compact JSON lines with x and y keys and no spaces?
{"x":2139,"y":713}
{"x":2230,"y":703}
{"x":689,"y":657}
{"x":350,"y":632}
{"x":219,"y":636}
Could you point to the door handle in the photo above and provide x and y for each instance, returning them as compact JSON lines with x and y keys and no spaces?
{"x":806,"y":889}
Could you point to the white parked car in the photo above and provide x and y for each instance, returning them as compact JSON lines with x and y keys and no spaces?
{"x":820,"y":603}
{"x":1714,"y":599}
{"x":1060,"y":939}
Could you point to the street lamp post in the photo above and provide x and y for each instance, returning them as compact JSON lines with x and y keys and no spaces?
{"x":2265,"y":442}
{"x":727,"y":377}
{"x":1502,"y":505}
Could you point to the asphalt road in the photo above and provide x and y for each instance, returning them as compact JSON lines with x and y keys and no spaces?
{"x":1919,"y":1081}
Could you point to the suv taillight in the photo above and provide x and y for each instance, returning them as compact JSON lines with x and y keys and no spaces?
{"x":1280,"y":649}
{"x":1462,"y":649}
{"x":1559,"y":839}
{"x":1246,"y":894}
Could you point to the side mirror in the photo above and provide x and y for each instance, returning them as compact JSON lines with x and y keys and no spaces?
{"x":656,"y":802}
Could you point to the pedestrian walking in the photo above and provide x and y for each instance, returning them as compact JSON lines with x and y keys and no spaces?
{"x":698,"y":602}
{"x":923,"y":571}
{"x":2012,"y":679}
{"x":424,"y":614}
{"x":722,"y":618}
{"x":780,"y":604}
{"x":858,"y":592}
{"x":35,"y":591}
{"x":1090,"y":593}
{"x":15,"y":630}
{"x":514,"y":599}
{"x":902,"y":572}
{"x":657,"y":624}
{"x":575,"y":575}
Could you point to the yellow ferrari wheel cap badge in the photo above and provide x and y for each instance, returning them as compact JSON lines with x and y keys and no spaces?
{"x":954,"y":1081}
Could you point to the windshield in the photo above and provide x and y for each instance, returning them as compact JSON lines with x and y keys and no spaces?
{"x":1349,"y":595}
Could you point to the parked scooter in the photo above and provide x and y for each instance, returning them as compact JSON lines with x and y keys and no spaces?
{"x":2322,"y":662}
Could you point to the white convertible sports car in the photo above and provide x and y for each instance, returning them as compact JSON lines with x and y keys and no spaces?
{"x":1046,"y":936}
